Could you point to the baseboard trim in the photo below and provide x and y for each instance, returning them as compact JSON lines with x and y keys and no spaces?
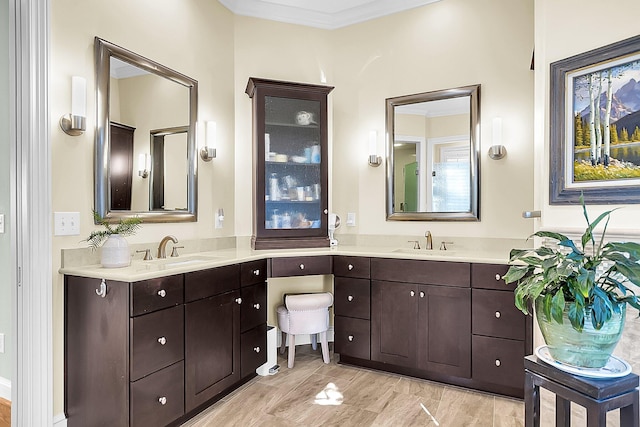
{"x":60,"y":421}
{"x":5,"y":389}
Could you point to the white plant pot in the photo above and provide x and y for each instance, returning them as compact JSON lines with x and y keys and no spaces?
{"x":115,"y":252}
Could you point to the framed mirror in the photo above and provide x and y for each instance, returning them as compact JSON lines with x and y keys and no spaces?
{"x":145,"y":147}
{"x":433,"y":171}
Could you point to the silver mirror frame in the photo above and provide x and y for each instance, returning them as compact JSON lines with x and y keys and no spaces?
{"x":104,"y":50}
{"x":473,"y":214}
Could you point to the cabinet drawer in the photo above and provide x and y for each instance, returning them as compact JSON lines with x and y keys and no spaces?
{"x":300,"y":266}
{"x":352,"y":297}
{"x":498,"y":361}
{"x":158,"y":399}
{"x":157,"y":340}
{"x":206,"y":283}
{"x":253,"y":350}
{"x":155,"y":294}
{"x":253,"y":272}
{"x":352,"y":337}
{"x":494,"y":314}
{"x":253,"y":310}
{"x":348,"y":266}
{"x":422,"y":272}
{"x":489,"y":276}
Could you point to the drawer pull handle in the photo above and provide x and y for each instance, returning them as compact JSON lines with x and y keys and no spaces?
{"x":497,"y":277}
{"x":162,"y":340}
{"x":498,"y":314}
{"x":350,"y":337}
{"x":301,"y":266}
{"x":412,"y":293}
{"x":350,"y":267}
{"x":498,"y":363}
{"x":163,"y":400}
{"x":256,"y":349}
{"x":350,"y":298}
{"x":102,"y":292}
{"x":256,"y":272}
{"x":421,"y":294}
{"x":256,"y":306}
{"x":239,"y":300}
{"x":162,"y":293}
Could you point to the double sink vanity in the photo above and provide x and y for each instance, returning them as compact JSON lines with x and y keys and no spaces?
{"x":158,"y":341}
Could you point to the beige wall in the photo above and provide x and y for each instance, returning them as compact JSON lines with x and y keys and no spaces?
{"x":202,"y":49}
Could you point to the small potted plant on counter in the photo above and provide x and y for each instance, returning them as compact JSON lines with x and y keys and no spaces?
{"x":579,"y":293}
{"x":115,"y":250}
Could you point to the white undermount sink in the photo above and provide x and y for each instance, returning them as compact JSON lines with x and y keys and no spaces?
{"x":183,"y":260}
{"x":424,"y":252}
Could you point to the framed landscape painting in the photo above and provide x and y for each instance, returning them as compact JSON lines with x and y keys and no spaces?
{"x":595,"y":126}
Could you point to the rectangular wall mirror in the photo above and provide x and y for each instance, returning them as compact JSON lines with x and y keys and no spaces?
{"x":432,"y":155}
{"x":145,"y":152}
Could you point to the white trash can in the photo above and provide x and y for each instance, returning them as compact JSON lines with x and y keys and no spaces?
{"x":271,"y":367}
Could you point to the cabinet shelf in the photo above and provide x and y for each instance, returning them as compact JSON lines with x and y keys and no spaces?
{"x":292,"y":125}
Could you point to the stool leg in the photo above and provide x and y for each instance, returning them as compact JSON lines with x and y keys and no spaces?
{"x":283,"y":342}
{"x":314,"y":341}
{"x":325,"y":347}
{"x":596,"y":416}
{"x":563,"y":412}
{"x":629,"y":415}
{"x":292,"y":350}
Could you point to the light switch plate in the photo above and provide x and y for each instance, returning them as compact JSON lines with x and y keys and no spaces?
{"x":1,"y":343}
{"x":66,"y":223}
{"x":351,"y":219}
{"x":1,"y":223}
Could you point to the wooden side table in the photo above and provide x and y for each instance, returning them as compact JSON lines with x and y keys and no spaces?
{"x":597,"y":396}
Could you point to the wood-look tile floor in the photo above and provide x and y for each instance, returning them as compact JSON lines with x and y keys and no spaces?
{"x":315,"y":394}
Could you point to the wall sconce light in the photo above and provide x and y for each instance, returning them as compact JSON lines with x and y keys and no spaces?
{"x":497,"y":151}
{"x":144,"y":165}
{"x":208,"y":152}
{"x":374,"y":159}
{"x":74,"y":124}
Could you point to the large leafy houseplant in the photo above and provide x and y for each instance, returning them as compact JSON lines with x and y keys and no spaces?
{"x":590,"y":281}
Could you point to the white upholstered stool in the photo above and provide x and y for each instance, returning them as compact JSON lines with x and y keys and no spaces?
{"x":305,"y":314}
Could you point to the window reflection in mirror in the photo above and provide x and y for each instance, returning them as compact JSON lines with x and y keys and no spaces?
{"x":432,"y":155}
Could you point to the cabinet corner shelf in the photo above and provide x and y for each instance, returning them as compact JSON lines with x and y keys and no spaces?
{"x":277,"y":107}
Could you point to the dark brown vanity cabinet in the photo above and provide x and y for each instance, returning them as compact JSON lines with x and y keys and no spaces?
{"x":352,"y":306}
{"x":290,"y":164}
{"x":502,"y":334}
{"x":212,"y":333}
{"x":124,"y":351}
{"x":253,"y":316}
{"x":422,"y":317}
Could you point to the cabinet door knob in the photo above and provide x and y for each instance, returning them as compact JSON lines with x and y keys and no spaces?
{"x":239,"y":300}
{"x":162,"y":340}
{"x":256,"y":272}
{"x":350,"y":298}
{"x":498,"y":363}
{"x":497,"y":277}
{"x":350,"y":267}
{"x":162,"y":293}
{"x":256,"y":306}
{"x":350,"y":337}
{"x":498,"y":314}
{"x":162,"y":400}
{"x":412,"y":293}
{"x":421,"y":294}
{"x":301,"y":266}
{"x":256,"y":349}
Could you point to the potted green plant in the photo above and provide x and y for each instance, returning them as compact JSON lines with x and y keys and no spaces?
{"x":579,"y":294}
{"x":115,"y":249}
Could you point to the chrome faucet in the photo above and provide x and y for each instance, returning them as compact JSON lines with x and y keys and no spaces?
{"x":429,"y":244}
{"x":162,"y":248}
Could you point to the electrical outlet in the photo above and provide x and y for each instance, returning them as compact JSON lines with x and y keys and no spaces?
{"x":351,"y":219}
{"x":67,"y":223}
{"x":1,"y":343}
{"x":1,"y":223}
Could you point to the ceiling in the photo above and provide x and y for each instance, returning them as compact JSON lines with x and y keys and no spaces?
{"x":326,"y":14}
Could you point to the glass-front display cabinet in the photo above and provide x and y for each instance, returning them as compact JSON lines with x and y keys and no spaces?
{"x":289,"y":164}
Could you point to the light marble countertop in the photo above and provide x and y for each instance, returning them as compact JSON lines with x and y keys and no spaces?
{"x":142,"y":270}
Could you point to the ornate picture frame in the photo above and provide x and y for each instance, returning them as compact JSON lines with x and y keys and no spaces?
{"x":597,"y":155}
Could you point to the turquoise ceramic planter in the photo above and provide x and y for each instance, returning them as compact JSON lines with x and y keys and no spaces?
{"x":590,"y":348}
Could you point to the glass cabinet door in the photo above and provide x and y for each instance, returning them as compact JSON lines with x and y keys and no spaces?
{"x":290,"y":146}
